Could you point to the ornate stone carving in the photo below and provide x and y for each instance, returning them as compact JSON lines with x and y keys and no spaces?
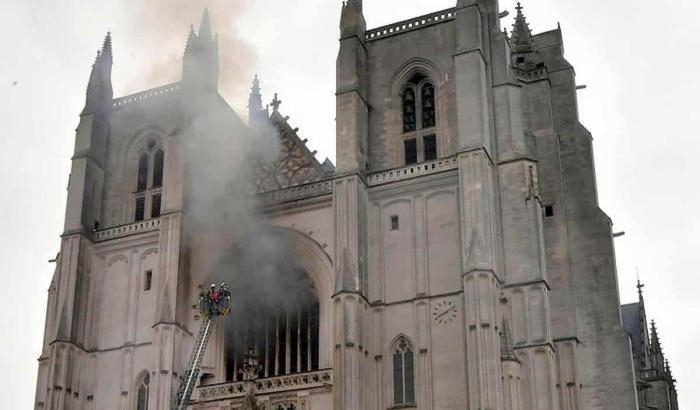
{"x":296,"y":164}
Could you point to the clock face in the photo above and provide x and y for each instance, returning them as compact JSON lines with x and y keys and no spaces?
{"x":444,"y":311}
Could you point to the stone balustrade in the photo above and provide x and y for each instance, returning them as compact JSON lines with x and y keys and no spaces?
{"x":126,"y":230}
{"x":267,"y":386}
{"x":298,"y":192}
{"x":412,"y":171}
{"x":410,"y":25}
{"x":145,"y":95}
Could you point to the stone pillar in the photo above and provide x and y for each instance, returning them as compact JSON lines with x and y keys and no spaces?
{"x":350,"y":367}
{"x":480,"y":282}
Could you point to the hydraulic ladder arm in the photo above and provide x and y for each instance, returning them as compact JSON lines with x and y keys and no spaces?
{"x":212,"y":305}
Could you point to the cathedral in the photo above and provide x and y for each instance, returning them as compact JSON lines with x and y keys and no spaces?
{"x":454,"y":257}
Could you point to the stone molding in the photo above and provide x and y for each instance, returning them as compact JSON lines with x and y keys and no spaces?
{"x":267,"y":386}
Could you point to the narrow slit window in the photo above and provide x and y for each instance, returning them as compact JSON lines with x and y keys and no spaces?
{"x":140,"y":211}
{"x":430,"y":147}
{"x":394,"y":222}
{"x":410,"y":151}
{"x":549,"y":211}
{"x":155,"y":206}
{"x":148,"y":280}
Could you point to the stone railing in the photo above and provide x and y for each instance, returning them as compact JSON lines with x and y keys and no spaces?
{"x":297,"y":192}
{"x":145,"y":95}
{"x":267,"y":386}
{"x":412,"y":171}
{"x":410,"y":25}
{"x":126,"y":230}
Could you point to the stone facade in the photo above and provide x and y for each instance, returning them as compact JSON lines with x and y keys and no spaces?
{"x":457,"y":251}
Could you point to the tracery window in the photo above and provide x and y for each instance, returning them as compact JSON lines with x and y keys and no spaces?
{"x":418,"y":103}
{"x":403,"y":370}
{"x":142,"y":394}
{"x":149,"y":182}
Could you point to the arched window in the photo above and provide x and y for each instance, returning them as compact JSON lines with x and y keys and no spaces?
{"x":159,"y":160}
{"x":404,"y":390}
{"x":418,"y":102}
{"x":142,"y":394}
{"x":142,"y":182}
{"x":149,"y":182}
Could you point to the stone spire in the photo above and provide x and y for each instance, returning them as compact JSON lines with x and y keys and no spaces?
{"x":205,"y":31}
{"x":107,"y":48}
{"x":656,"y":352}
{"x":522,"y":41}
{"x":255,"y":99}
{"x":256,"y":113}
{"x":99,"y":90}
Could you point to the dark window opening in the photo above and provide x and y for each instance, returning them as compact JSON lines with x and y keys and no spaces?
{"x":549,"y":211}
{"x":142,"y":173}
{"x":142,"y":399}
{"x":520,"y":60}
{"x":430,"y":147}
{"x":286,"y":343}
{"x":148,"y":281}
{"x":140,"y":209}
{"x":155,"y":206}
{"x":428,"y":105}
{"x":403,"y":371}
{"x":158,"y":161}
{"x":409,"y":110}
{"x":395,"y":223}
{"x":410,"y":151}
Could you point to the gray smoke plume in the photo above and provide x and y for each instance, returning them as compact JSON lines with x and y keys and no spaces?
{"x":161,"y":28}
{"x":231,"y":238}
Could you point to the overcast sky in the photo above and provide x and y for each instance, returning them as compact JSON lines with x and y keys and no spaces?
{"x":638,"y":58}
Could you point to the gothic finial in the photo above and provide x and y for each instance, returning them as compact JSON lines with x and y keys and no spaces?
{"x":205,"y":25}
{"x":522,"y":41}
{"x":255,"y":101}
{"x":107,"y":45}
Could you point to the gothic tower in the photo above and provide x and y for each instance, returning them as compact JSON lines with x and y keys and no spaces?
{"x":456,"y":257}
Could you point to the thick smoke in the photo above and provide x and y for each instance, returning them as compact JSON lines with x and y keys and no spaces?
{"x":231,"y":238}
{"x":161,"y":28}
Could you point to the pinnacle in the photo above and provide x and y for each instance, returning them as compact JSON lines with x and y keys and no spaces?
{"x":205,"y":25}
{"x":107,"y":46}
{"x":522,"y":35}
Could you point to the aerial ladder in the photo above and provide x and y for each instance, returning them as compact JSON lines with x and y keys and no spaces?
{"x":213,"y":304}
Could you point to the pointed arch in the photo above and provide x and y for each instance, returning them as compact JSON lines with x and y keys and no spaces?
{"x":403,"y":371}
{"x":142,"y":388}
{"x":415,"y":93}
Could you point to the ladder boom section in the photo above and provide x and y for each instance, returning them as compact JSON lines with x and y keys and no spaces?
{"x":194,"y":366}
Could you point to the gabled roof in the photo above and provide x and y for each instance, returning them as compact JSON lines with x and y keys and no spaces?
{"x":296,"y":165}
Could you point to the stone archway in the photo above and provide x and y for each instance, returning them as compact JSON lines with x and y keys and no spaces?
{"x":282,"y":284}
